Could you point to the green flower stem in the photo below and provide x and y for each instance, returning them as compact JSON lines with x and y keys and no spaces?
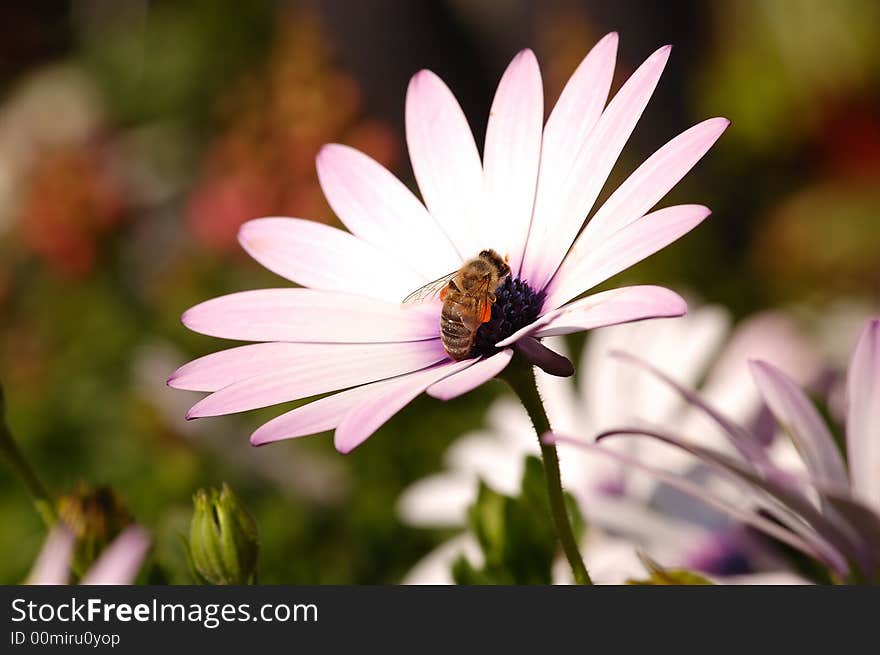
{"x":12,"y":453}
{"x":520,"y":377}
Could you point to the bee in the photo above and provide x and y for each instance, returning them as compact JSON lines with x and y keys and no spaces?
{"x":467,"y":295}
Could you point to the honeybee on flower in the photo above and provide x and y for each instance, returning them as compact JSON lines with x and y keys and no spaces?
{"x":348,"y":334}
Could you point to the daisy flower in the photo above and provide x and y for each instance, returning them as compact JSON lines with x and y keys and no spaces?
{"x":610,"y":393}
{"x":117,"y":565}
{"x":809,"y":495}
{"x":347,"y":332}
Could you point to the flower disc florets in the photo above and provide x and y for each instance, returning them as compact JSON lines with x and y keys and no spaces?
{"x":516,"y":306}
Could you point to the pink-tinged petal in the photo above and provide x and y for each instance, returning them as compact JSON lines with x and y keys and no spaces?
{"x":563,"y":211}
{"x":471,"y":378}
{"x":587,"y":266}
{"x":445,"y":160}
{"x":511,"y":156}
{"x":322,"y":257}
{"x":863,"y":518}
{"x":526,"y":331}
{"x":365,"y":418}
{"x":771,"y":336}
{"x":570,"y":123}
{"x":379,"y":209}
{"x":328,"y":367}
{"x":612,"y":307}
{"x":781,"y":493}
{"x":310,"y":315}
{"x":220,"y":369}
{"x":53,"y":564}
{"x":751,"y":450}
{"x":807,"y":542}
{"x":653,"y":179}
{"x":863,"y":417}
{"x":318,"y":416}
{"x":685,"y":347}
{"x":121,"y":560}
{"x":799,"y":418}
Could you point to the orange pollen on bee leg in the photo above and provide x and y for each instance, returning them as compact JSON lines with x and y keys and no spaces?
{"x":443,"y":293}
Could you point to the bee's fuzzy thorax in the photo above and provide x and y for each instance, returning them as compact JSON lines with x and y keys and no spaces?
{"x":516,"y":306}
{"x":496,"y":261}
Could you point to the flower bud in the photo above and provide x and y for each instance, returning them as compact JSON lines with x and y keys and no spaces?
{"x":223,"y":540}
{"x":95,"y":516}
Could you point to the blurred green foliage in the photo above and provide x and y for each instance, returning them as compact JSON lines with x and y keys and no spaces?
{"x":171,"y":59}
{"x":515,"y":535}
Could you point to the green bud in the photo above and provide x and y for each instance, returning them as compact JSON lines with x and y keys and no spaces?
{"x":96,"y":516}
{"x":223,"y":540}
{"x":659,"y":576}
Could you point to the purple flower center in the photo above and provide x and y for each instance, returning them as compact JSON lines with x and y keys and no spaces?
{"x":516,"y":306}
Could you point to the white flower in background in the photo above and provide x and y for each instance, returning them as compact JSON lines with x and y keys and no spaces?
{"x":610,"y":393}
{"x":828,"y":507}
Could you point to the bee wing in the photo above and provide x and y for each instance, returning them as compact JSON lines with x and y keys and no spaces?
{"x":431,"y":289}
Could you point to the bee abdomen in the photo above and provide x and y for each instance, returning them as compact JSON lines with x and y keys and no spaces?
{"x":457,"y":338}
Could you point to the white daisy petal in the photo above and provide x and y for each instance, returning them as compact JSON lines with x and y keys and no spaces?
{"x":379,"y":209}
{"x":801,"y":420}
{"x":338,"y":366}
{"x":863,"y":418}
{"x":311,"y":315}
{"x":580,"y":184}
{"x":471,"y":378}
{"x":511,"y":157}
{"x":584,"y":268}
{"x":436,"y":567}
{"x":610,"y":307}
{"x":366,"y":417}
{"x":318,"y":256}
{"x":445,"y":160}
{"x":570,"y":123}
{"x":438,"y":501}
{"x":653,"y":180}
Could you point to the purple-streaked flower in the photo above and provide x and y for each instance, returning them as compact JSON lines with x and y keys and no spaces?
{"x":610,"y":393}
{"x":348,"y":333}
{"x":828,"y":506}
{"x":117,"y":565}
